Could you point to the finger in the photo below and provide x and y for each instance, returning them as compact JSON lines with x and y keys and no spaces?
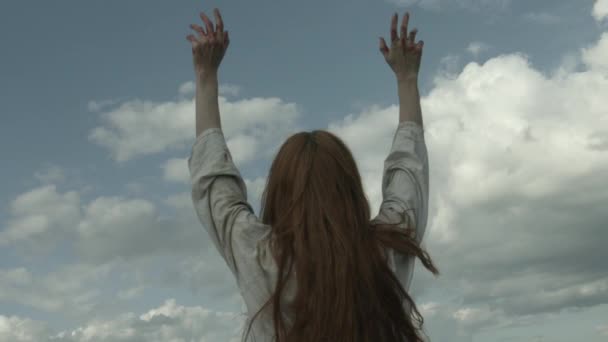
{"x":208,"y":23}
{"x":218,"y":21}
{"x":404,"y":23}
{"x":226,"y":39}
{"x":419,"y":47}
{"x":191,"y":38}
{"x":198,"y":29}
{"x":412,"y":37}
{"x":383,"y":47}
{"x":394,"y":28}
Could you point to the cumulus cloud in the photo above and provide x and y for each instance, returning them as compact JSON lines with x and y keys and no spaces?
{"x":426,"y":4}
{"x":493,"y":132}
{"x":206,"y":275}
{"x":168,"y":322}
{"x":517,"y":164}
{"x":475,"y":48}
{"x":187,"y":89}
{"x":442,"y":323}
{"x":70,"y":289}
{"x":137,"y":128}
{"x":50,"y":174}
{"x":131,"y":293}
{"x":596,"y":56}
{"x":18,"y":329}
{"x":602,"y":330}
{"x":106,"y":228}
{"x":176,"y":170}
{"x":96,"y":106}
{"x":516,"y":221}
{"x":255,"y":188}
{"x":600,"y":10}
{"x":514,"y":172}
{"x":226,"y":90}
{"x":450,"y":64}
{"x":116,"y":227}
{"x":474,"y":5}
{"x":41,"y":217}
{"x":542,"y":17}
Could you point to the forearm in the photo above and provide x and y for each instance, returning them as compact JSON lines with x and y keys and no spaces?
{"x":409,"y":101}
{"x":207,"y":106}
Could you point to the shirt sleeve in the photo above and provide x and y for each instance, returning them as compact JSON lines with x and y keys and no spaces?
{"x":405,"y":188}
{"x":219,"y":195}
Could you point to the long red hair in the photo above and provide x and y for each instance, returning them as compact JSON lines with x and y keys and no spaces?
{"x":322,"y":228}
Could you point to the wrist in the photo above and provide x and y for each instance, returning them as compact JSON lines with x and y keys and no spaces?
{"x":206,"y":75}
{"x":407,"y":79}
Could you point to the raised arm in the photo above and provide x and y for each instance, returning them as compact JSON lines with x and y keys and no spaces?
{"x":208,"y":50}
{"x":405,"y":180}
{"x":404,"y":58}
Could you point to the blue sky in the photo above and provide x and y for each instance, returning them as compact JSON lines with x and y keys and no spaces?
{"x":96,"y":227}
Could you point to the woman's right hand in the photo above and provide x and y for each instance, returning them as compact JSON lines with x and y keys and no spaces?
{"x":404,"y":54}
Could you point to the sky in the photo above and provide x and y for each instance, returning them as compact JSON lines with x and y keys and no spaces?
{"x":99,"y":240}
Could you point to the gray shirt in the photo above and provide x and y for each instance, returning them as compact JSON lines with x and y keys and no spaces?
{"x":219,"y":195}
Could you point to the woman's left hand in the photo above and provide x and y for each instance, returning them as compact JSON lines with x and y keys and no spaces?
{"x":209,"y":47}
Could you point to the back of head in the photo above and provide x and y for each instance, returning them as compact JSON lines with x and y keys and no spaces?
{"x":320,"y":218}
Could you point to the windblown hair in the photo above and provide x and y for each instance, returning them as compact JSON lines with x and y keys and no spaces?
{"x":321,"y":226}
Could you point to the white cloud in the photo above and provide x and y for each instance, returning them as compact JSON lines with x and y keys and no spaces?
{"x":596,"y":57}
{"x":204,"y":274}
{"x":426,"y":4}
{"x":116,"y":227}
{"x":517,"y":159}
{"x":243,"y":148}
{"x":96,"y":106}
{"x":131,"y":293}
{"x":474,"y":5}
{"x":168,"y":322}
{"x":517,"y":163}
{"x":475,"y":48}
{"x":70,"y":288}
{"x":469,"y":316}
{"x":600,"y":10}
{"x":181,"y":201}
{"x":428,"y":309}
{"x":441,"y":325}
{"x":134,"y":188}
{"x":51,"y":174}
{"x":602,"y":330}
{"x":42,"y":214}
{"x":176,"y":170}
{"x":137,"y":128}
{"x":17,"y":329}
{"x":187,"y":88}
{"x":449,"y":65}
{"x":542,"y":18}
{"x":225,"y":90}
{"x":255,"y":188}
{"x":102,"y":230}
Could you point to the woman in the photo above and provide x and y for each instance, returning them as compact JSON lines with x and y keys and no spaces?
{"x":315,"y":266}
